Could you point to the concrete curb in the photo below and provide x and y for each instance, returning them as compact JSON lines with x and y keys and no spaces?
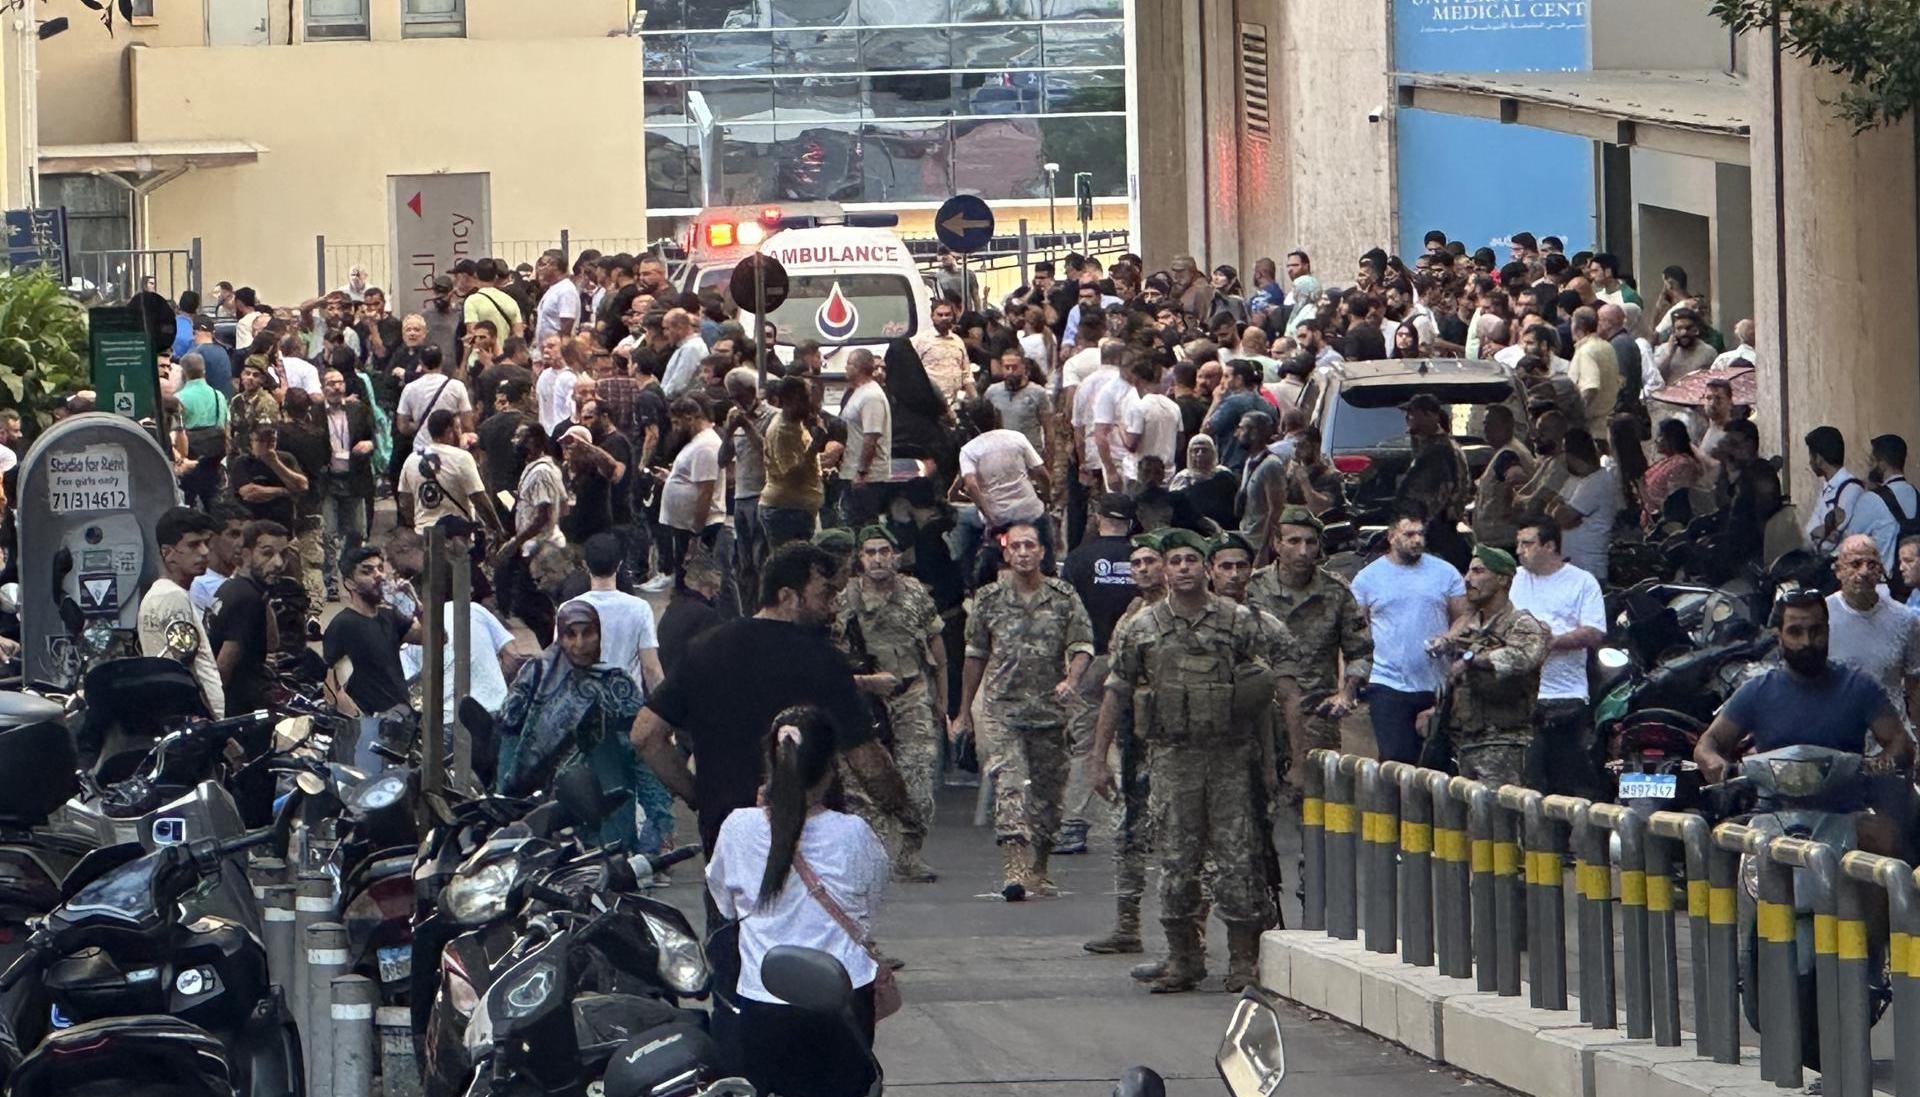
{"x":1547,"y":1053}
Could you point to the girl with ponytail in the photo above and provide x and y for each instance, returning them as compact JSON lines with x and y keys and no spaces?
{"x":795,"y":872}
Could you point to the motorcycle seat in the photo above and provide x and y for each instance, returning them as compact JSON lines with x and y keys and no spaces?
{"x":143,"y":1054}
{"x":18,"y":709}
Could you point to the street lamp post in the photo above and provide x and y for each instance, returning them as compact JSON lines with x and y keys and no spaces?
{"x":1052,"y":170}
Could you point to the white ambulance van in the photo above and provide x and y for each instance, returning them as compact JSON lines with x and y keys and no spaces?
{"x":850,"y":286}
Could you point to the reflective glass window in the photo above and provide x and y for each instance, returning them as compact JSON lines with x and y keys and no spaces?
{"x":1081,"y":9}
{"x":911,"y":95}
{"x":1081,"y":90}
{"x":712,"y":14}
{"x":813,"y":13}
{"x":664,"y":54}
{"x":994,"y":47}
{"x":672,"y":167}
{"x":818,"y":98}
{"x":1095,"y":145}
{"x":817,"y":163}
{"x":906,"y":162}
{"x":999,"y":158}
{"x":665,"y":99}
{"x":889,"y":50}
{"x":738,"y":100}
{"x":976,"y":11}
{"x":747,"y":158}
{"x":729,"y":54}
{"x":999,"y":93}
{"x":809,"y":51}
{"x":1068,"y":44}
{"x":903,"y":13}
{"x":662,"y":14}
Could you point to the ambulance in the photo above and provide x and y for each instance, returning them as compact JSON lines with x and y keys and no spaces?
{"x":852,"y":282}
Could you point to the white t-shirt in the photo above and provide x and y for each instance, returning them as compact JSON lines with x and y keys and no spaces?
{"x":207,"y":584}
{"x":852,"y":866}
{"x":1568,"y":599}
{"x":428,"y":393}
{"x":450,"y":488}
{"x":553,"y":395}
{"x":697,"y":463}
{"x":626,"y":630}
{"x":486,"y":639}
{"x":1882,"y":643}
{"x":867,"y":412}
{"x":1079,"y":367}
{"x":301,"y":374}
{"x":1156,"y":419}
{"x":1001,"y":459}
{"x":165,"y":603}
{"x":1596,"y":496}
{"x":1407,"y":606}
{"x":540,"y":482}
{"x":560,"y":302}
{"x":1086,"y":400}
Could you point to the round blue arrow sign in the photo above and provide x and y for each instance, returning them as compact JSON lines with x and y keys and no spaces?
{"x":964,"y":223}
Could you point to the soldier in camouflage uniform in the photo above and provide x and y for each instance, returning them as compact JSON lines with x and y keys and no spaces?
{"x":1332,"y":652}
{"x":1028,"y":642}
{"x":1198,"y":665}
{"x":1130,"y":840}
{"x":1495,"y":676}
{"x":891,"y":619}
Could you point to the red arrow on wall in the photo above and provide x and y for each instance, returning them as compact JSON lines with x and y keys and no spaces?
{"x":414,"y":203}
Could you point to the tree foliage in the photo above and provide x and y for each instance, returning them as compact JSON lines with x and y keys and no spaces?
{"x":1874,"y":44}
{"x":43,"y":345}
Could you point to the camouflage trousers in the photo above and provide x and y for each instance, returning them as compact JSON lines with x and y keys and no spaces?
{"x":916,"y":754}
{"x":311,"y":546}
{"x":1130,"y":842}
{"x":1202,"y":803}
{"x":1029,"y":769}
{"x":1496,"y":760}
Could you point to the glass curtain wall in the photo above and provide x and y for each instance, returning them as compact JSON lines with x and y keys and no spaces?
{"x":888,"y":101}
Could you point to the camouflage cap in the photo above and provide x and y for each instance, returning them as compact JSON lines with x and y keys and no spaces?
{"x":1301,"y":516}
{"x":875,"y":532}
{"x":1497,"y":561}
{"x":1185,"y":538}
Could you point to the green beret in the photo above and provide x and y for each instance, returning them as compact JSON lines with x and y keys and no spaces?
{"x":875,"y":532}
{"x":1184,"y":538}
{"x":1148,"y":541}
{"x":834,"y":539}
{"x":1497,"y":561}
{"x":1231,"y":540}
{"x":1301,"y":516}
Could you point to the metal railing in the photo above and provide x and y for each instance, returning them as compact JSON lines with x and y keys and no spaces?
{"x":1472,"y":880}
{"x":116,"y":275}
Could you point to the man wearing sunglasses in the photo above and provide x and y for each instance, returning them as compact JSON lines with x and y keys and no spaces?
{"x":1809,"y":700}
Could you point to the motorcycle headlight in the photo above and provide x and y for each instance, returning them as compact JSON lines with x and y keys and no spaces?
{"x":98,"y":636}
{"x":1798,"y":779}
{"x":478,"y":897}
{"x":683,"y":963}
{"x":478,"y":1038}
{"x":381,"y":793}
{"x":525,"y":990}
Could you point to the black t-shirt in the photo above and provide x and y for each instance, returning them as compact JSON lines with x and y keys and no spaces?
{"x":373,"y":644}
{"x":313,"y":455}
{"x":592,"y":509}
{"x":1099,"y":570}
{"x":248,"y":469}
{"x":503,"y":462}
{"x":1451,"y":328}
{"x":1213,"y":497}
{"x":239,"y":616}
{"x":725,"y":692}
{"x":1193,"y":416}
{"x":618,"y":445}
{"x":686,"y":619}
{"x":487,"y":385}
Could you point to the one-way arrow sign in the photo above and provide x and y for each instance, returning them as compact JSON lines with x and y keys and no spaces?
{"x":964,"y":223}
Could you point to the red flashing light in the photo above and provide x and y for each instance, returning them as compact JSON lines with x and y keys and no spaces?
{"x":1353,"y":464}
{"x":770,"y":215}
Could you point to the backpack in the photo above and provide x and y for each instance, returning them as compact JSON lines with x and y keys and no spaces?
{"x":1909,"y":523}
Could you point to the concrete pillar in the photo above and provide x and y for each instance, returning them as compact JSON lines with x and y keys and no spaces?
{"x":1165,"y":38}
{"x":1834,"y":265}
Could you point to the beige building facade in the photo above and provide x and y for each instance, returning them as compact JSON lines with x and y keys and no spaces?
{"x":259,"y":127}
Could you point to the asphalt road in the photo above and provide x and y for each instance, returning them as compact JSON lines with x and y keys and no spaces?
{"x":1000,"y":998}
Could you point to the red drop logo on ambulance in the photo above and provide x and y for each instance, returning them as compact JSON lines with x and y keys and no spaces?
{"x":836,"y":317}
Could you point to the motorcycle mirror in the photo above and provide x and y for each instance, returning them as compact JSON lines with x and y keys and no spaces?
{"x":1140,"y":1082}
{"x":1252,"y":1059}
{"x":807,"y":979}
{"x":9,"y":598}
{"x":1613,"y":659}
{"x":310,"y":783}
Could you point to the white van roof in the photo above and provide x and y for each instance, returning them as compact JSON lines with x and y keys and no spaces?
{"x":838,"y":246}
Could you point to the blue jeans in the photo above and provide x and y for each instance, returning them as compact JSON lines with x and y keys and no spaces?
{"x":1393,"y":713}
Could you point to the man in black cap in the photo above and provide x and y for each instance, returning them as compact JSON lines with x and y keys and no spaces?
{"x":1101,"y":575}
{"x":1437,"y":478}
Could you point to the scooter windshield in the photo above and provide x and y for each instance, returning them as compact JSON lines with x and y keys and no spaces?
{"x":125,"y":894}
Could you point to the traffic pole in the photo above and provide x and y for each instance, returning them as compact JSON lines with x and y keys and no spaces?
{"x":313,"y":901}
{"x":351,"y":1010}
{"x":326,"y":960}
{"x":276,"y":931}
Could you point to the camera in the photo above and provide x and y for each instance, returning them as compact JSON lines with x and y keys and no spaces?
{"x":1376,"y":114}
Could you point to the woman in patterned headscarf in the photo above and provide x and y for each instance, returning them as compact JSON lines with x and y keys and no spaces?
{"x":568,"y":708}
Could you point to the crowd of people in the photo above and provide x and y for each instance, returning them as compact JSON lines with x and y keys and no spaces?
{"x":1079,"y":531}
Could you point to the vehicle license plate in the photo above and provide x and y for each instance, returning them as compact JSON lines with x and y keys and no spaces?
{"x":1648,"y":786}
{"x":396,"y":963}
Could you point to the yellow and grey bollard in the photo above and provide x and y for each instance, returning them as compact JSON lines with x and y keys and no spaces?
{"x":1379,"y":831}
{"x":1815,"y":884}
{"x":326,"y":960}
{"x":1903,"y":959}
{"x":1684,"y":838}
{"x":1854,"y":1067}
{"x":1593,"y":889}
{"x":1663,"y":950}
{"x":1509,"y":895}
{"x":1452,"y":876}
{"x":1723,"y":944}
{"x":1632,"y":831}
{"x":1483,"y":892}
{"x":1416,"y":863}
{"x":351,"y":1011}
{"x":1313,"y":849}
{"x":1541,"y":818}
{"x":1343,"y":920}
{"x":276,"y":933}
{"x":1779,"y":969}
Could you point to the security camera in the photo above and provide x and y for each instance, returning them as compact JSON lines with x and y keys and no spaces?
{"x":1376,"y":114}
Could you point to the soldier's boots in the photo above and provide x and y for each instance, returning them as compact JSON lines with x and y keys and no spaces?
{"x":911,"y":868}
{"x":1073,"y":838}
{"x":1125,"y":937}
{"x":1016,"y":866}
{"x":1243,"y":955}
{"x":1150,"y":970}
{"x":1186,"y":961}
{"x":1039,"y":884}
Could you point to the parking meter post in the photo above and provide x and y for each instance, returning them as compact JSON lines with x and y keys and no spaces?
{"x":1779,"y":971}
{"x":1723,"y":946}
{"x":1416,"y":864}
{"x":1510,"y":897}
{"x":1663,"y":968}
{"x":1313,"y":850}
{"x":1342,"y":890}
{"x":1452,"y":883}
{"x":1484,"y":894}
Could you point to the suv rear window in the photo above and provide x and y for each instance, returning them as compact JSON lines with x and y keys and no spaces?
{"x":1369,"y":416}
